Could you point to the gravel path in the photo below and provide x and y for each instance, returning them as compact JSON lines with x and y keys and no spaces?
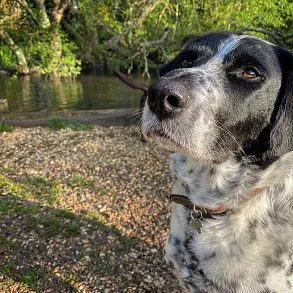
{"x":83,"y":211}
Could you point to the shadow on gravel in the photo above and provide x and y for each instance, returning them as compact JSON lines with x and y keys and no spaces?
{"x":53,"y":250}
{"x":83,"y":211}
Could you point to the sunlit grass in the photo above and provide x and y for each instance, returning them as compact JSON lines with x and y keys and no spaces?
{"x":5,"y":127}
{"x":59,"y":123}
{"x":31,"y":188}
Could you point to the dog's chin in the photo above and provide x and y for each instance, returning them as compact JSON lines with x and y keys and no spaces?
{"x":164,"y":142}
{"x":172,"y":146}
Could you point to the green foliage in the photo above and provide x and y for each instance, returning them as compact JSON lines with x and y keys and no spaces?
{"x":4,"y":206}
{"x":47,"y":192}
{"x":5,"y":127}
{"x":71,"y":230}
{"x":7,"y":58}
{"x":136,"y":23}
{"x":59,"y":123}
{"x":65,"y":214}
{"x":15,"y":189}
{"x":30,"y":279}
{"x":7,"y":269}
{"x":40,"y":54}
{"x":51,"y":226}
{"x":121,"y":32}
{"x":59,"y":224}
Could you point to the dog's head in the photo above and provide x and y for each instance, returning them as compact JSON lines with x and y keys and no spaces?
{"x":223,"y":95}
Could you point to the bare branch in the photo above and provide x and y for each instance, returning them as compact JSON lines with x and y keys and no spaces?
{"x":72,"y":31}
{"x":146,"y":65}
{"x":156,"y":42}
{"x":132,"y":82}
{"x":144,"y":12}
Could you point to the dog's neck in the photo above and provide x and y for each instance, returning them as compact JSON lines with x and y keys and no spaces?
{"x":228,"y":183}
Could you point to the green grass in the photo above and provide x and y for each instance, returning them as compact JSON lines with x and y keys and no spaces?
{"x":79,"y":182}
{"x":4,"y":127}
{"x":38,"y":181}
{"x":48,"y":227}
{"x":70,"y":280}
{"x":59,"y":123}
{"x":14,"y":205}
{"x":44,"y":189}
{"x":65,"y":214}
{"x":54,"y":225}
{"x":7,"y":186}
{"x":4,"y":206}
{"x":7,"y":269}
{"x":32,"y":209}
{"x":16,"y":199}
{"x":30,"y":279}
{"x":31,"y":188}
{"x":8,"y":243}
{"x":33,"y":222}
{"x":51,"y":226}
{"x":71,"y":230}
{"x":94,"y":215}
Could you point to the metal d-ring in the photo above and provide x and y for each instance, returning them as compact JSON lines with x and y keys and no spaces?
{"x":196,"y":212}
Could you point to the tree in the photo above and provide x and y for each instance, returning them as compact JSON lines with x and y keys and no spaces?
{"x":9,"y":15}
{"x":40,"y":23}
{"x":133,"y":34}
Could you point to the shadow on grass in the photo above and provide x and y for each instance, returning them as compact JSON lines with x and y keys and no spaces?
{"x":45,"y":249}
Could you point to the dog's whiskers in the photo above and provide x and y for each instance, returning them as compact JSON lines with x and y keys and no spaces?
{"x":227,"y":131}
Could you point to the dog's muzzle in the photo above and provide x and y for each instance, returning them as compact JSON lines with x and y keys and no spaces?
{"x":167,"y":98}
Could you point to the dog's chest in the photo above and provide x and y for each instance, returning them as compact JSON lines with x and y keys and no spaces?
{"x":236,"y":252}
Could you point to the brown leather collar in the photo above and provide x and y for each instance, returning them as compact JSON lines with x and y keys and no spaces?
{"x":205,"y":212}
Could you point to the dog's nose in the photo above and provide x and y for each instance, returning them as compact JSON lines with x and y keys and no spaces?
{"x":165,"y":99}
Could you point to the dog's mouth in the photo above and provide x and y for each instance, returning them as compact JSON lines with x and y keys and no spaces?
{"x":167,"y":133}
{"x":164,"y":140}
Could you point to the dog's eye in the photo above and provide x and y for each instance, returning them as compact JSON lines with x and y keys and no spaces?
{"x":186,"y":63}
{"x":250,"y":73}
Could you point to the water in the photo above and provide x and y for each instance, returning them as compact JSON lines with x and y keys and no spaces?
{"x":87,"y":92}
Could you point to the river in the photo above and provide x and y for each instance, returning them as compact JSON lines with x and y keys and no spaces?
{"x":34,"y":94}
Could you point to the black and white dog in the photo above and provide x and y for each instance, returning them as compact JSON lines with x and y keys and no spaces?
{"x":224,"y":108}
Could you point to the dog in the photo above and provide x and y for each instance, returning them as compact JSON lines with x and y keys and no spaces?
{"x":223,"y":108}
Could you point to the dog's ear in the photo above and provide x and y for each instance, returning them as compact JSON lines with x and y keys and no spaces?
{"x":168,"y":67}
{"x":173,"y":64}
{"x":277,"y":138}
{"x":281,"y":135}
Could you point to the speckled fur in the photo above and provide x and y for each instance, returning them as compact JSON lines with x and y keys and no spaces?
{"x":250,"y":248}
{"x":247,"y":250}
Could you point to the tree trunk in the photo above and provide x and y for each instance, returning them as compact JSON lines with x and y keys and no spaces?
{"x":56,"y":41}
{"x":58,"y":11}
{"x":56,"y":49}
{"x":21,"y":60}
{"x":43,"y":18}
